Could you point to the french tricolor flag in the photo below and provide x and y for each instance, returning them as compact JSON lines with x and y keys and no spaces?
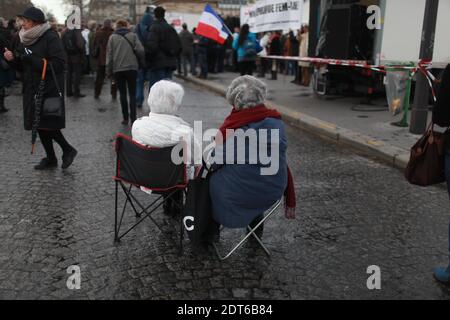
{"x":211,"y":26}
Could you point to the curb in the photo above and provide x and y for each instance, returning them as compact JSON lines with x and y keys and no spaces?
{"x":394,"y":156}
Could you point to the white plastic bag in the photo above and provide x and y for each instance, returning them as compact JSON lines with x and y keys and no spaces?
{"x":396,"y":82}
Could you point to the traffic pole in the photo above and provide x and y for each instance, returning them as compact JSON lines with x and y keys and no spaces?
{"x":419,"y":114}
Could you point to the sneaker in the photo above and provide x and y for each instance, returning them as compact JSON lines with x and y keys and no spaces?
{"x":442,"y":275}
{"x":68,"y":158}
{"x":80,"y":95}
{"x":46,"y":164}
{"x":3,"y":110}
{"x":125,"y":122}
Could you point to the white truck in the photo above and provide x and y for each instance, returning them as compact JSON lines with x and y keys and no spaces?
{"x":339,"y":31}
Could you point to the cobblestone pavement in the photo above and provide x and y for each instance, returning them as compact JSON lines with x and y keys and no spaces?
{"x":353,"y":212}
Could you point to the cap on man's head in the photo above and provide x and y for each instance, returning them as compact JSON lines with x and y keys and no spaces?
{"x":33,"y":14}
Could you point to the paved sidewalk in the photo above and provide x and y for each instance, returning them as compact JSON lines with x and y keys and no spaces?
{"x":342,"y":119}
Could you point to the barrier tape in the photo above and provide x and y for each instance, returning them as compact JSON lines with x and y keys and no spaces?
{"x":423,"y":66}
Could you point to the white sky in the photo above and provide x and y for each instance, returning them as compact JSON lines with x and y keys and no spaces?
{"x":57,"y":7}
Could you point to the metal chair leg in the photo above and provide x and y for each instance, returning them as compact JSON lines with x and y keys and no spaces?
{"x":249,"y":234}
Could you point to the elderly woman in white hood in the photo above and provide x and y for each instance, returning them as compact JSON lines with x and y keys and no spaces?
{"x":164,"y":128}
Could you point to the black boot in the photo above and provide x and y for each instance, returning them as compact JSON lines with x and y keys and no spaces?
{"x":274,"y":75}
{"x":46,"y":164}
{"x":68,"y":158}
{"x":2,"y":104}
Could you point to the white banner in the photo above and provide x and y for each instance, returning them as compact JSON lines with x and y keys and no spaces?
{"x":271,"y":15}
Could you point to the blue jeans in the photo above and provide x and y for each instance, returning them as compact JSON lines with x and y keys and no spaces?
{"x":142,"y":77}
{"x":160,"y":74}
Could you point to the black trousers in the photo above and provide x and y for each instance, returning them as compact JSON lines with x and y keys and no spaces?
{"x":126,"y":79}
{"x":74,"y":78}
{"x":100,"y":79}
{"x":47,"y":137}
{"x":246,"y":67}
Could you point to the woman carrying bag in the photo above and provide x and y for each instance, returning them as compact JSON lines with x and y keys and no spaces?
{"x":39,"y":43}
{"x":441,"y":117}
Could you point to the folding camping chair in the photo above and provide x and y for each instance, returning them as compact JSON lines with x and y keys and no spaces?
{"x":250,"y":232}
{"x":152,"y":168}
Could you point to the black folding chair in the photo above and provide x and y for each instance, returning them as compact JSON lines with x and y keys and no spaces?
{"x":250,"y":232}
{"x":152,"y":168}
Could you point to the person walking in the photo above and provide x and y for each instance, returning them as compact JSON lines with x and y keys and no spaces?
{"x":203,"y":44}
{"x":187,"y":50}
{"x":142,"y":30}
{"x":123,"y":52}
{"x":100,"y":43}
{"x":306,"y":74}
{"x":247,"y":48}
{"x":87,"y":61}
{"x":74,"y":46}
{"x":92,"y":60}
{"x":6,"y":72}
{"x":37,"y":42}
{"x":441,"y":117}
{"x":162,"y":48}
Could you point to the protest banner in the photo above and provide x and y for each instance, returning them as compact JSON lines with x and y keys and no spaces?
{"x":270,"y":15}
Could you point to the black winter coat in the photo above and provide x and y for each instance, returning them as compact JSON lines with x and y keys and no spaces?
{"x":155,"y":57}
{"x":441,"y":111}
{"x":48,"y":46}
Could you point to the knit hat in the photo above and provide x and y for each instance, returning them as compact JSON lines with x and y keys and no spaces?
{"x":34,"y":14}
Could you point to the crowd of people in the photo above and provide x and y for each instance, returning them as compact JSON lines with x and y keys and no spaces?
{"x":101,"y":49}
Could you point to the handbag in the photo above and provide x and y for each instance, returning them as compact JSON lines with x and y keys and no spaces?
{"x":197,"y":213}
{"x":426,"y":166}
{"x":53,"y":106}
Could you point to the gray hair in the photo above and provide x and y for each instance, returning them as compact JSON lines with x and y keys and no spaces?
{"x":246,"y":92}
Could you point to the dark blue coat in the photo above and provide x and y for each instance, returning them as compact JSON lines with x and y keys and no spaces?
{"x":239,"y":192}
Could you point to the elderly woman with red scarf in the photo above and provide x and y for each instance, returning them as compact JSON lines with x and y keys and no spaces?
{"x":244,"y":184}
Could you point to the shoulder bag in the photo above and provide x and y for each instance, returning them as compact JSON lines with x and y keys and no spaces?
{"x":140,"y":61}
{"x":53,"y":106}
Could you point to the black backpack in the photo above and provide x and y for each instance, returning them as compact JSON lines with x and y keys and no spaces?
{"x":70,"y":42}
{"x":170,"y":42}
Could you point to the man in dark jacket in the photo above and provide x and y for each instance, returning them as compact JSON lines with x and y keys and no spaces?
{"x":162,"y":48}
{"x":187,"y":45}
{"x":142,"y":30}
{"x":6,"y":74}
{"x":441,"y":117}
{"x":74,"y":45}
{"x":100,"y":43}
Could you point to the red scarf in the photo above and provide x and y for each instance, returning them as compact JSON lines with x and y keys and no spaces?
{"x":238,"y":119}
